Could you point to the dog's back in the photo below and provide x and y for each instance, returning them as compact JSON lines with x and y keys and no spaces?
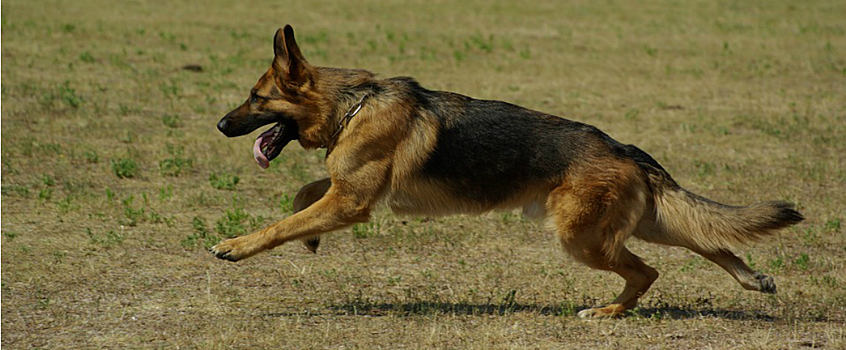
{"x":491,"y":152}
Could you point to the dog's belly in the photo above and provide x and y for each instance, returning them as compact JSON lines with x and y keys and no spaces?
{"x":429,"y":197}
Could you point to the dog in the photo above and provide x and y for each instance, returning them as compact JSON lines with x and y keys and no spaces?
{"x":437,"y":153}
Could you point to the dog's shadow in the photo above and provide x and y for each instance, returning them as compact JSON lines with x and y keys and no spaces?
{"x":423,"y":308}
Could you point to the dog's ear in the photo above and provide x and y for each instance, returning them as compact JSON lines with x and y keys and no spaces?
{"x":289,"y":61}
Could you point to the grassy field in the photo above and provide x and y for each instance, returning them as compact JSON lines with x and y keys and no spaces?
{"x":115,"y":180}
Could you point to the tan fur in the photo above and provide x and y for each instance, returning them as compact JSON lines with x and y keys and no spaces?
{"x":606,"y":195}
{"x":686,"y":220}
{"x":596,"y":208}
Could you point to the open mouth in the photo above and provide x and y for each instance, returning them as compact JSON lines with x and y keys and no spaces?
{"x":271,"y":142}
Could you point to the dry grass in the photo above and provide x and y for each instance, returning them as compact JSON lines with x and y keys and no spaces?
{"x":741,"y":101}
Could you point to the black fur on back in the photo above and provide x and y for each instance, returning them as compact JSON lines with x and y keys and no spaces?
{"x":490,"y":150}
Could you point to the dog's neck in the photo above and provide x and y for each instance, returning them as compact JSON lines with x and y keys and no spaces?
{"x":340,"y":121}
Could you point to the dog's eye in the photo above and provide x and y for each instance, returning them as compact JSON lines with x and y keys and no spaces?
{"x":254,"y":98}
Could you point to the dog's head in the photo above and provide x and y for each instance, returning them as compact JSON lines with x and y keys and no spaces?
{"x":286,"y":95}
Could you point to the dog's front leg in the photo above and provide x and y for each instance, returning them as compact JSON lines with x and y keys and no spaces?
{"x":332,"y":212}
{"x":305,"y":197}
{"x":359,"y":168}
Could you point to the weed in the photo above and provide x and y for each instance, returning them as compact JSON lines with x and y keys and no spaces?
{"x":10,"y":236}
{"x":223,"y":181}
{"x":157,"y":218}
{"x":91,"y":156}
{"x":199,"y":225}
{"x":201,"y":235}
{"x":171,"y":121}
{"x":66,"y":205}
{"x":802,"y":261}
{"x":124,"y":168}
{"x":170,"y":89}
{"x":174,"y":166}
{"x":809,"y":235}
{"x":47,"y":180}
{"x":133,"y":215}
{"x":45,"y":195}
{"x":366,"y":230}
{"x":482,"y":43}
{"x":110,"y":195}
{"x":509,"y":300}
{"x":43,"y":303}
{"x":832,"y":225}
{"x":124,"y":109}
{"x":233,"y":223}
{"x":68,"y":95}
{"x":108,"y":240}
{"x":167,"y":36}
{"x":286,"y":204}
{"x":59,"y":256}
{"x":166,"y":193}
{"x":64,"y":93}
{"x":776,"y":264}
{"x":458,"y":55}
{"x":567,"y":308}
{"x":86,"y":57}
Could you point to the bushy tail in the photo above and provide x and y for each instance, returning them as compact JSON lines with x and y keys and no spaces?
{"x":692,"y":221}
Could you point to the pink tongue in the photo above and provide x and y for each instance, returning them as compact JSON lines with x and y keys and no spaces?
{"x":260,"y":158}
{"x":262,"y":141}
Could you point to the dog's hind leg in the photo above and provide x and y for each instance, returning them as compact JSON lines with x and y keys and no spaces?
{"x":593,"y":215}
{"x":749,"y":279}
{"x":305,"y":197}
{"x":639,"y":277}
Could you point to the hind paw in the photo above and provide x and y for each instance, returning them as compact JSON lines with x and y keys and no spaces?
{"x":766,"y":284}
{"x":610,"y":311}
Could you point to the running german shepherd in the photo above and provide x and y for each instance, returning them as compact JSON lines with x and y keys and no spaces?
{"x":438,"y":153}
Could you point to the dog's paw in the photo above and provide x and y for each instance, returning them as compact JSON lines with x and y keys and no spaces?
{"x":766,"y":284}
{"x":587,"y":313}
{"x":312,"y":244}
{"x":233,"y":249}
{"x":610,"y":311}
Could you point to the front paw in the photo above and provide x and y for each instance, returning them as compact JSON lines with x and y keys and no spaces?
{"x":234,"y":249}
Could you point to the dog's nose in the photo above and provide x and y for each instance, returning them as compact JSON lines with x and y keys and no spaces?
{"x":222,"y":124}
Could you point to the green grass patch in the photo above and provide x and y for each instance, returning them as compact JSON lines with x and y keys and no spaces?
{"x":125,"y":168}
{"x":223,"y":181}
